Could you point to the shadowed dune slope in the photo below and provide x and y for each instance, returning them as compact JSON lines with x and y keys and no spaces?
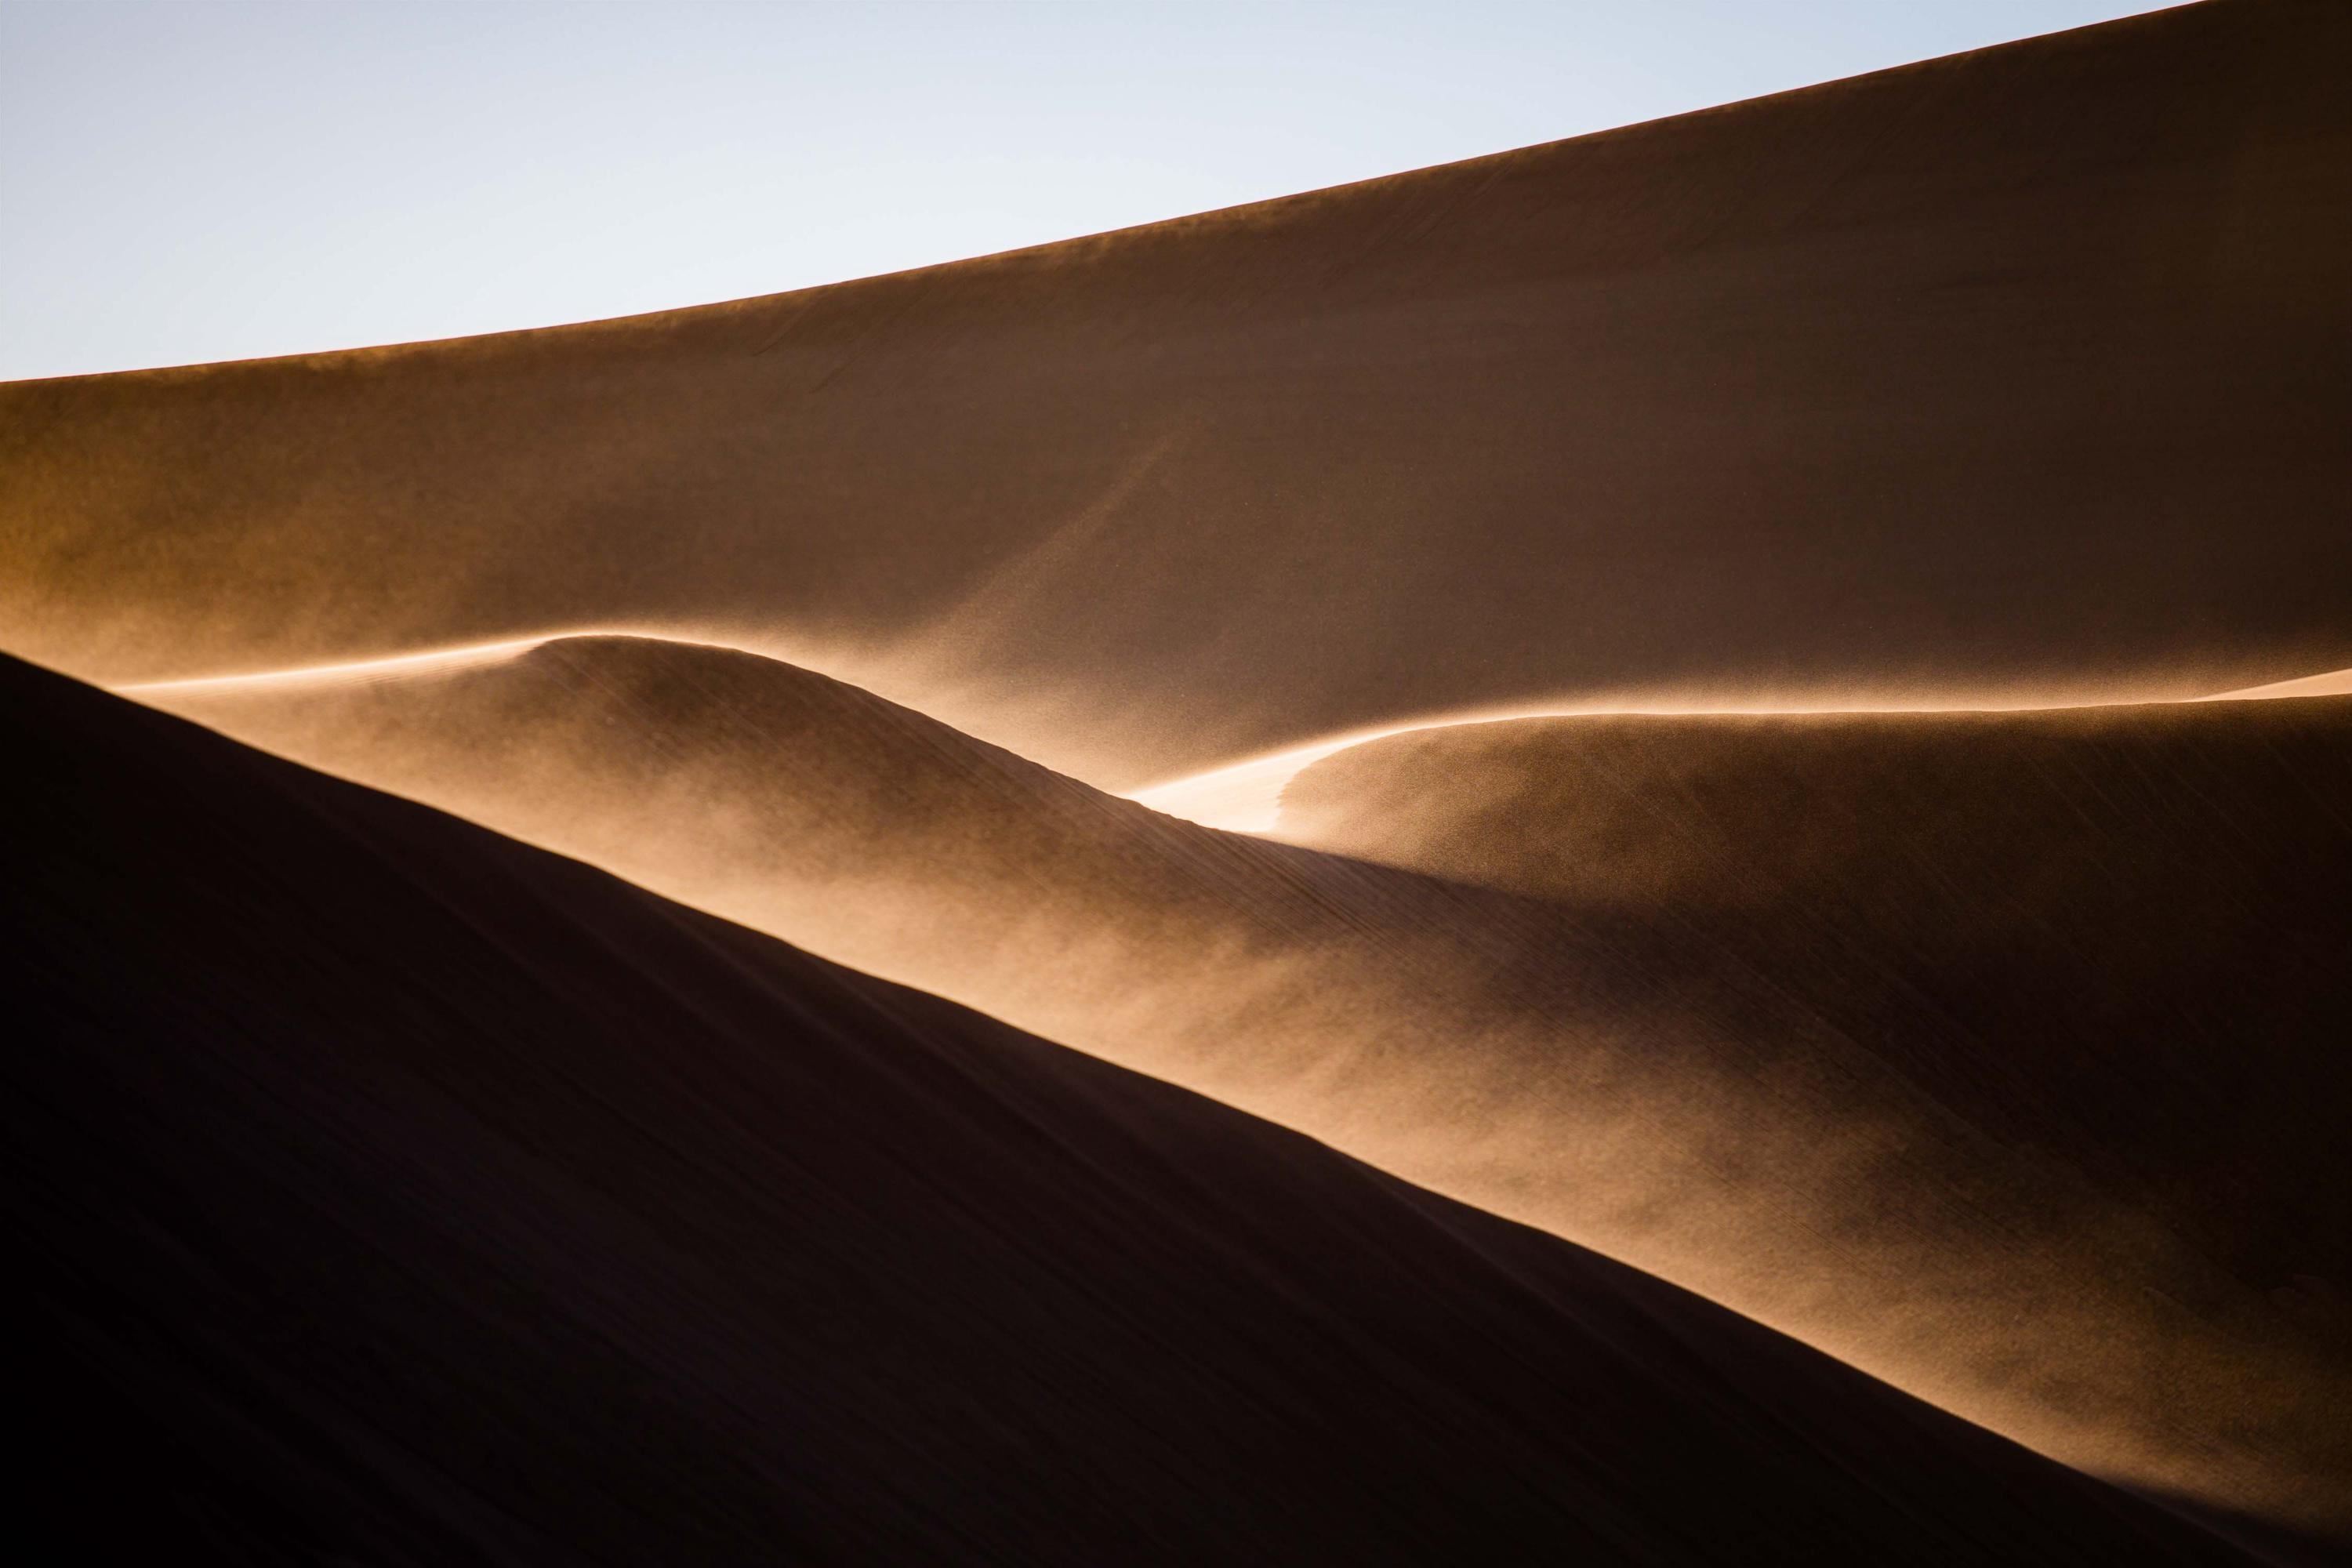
{"x":2121,"y":933}
{"x":384,"y":1190}
{"x":2093,"y":1210}
{"x":2023,"y":374}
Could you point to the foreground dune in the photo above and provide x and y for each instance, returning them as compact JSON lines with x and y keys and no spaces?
{"x":2021,"y":376}
{"x":387,"y":1191}
{"x":2054,"y":1159}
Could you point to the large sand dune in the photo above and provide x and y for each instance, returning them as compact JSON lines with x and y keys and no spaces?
{"x":387,"y":1192}
{"x":1997,"y":1055}
{"x":2024,"y":375}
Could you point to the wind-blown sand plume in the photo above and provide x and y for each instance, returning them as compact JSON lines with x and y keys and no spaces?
{"x":2332,"y":683}
{"x":391,"y":1191}
{"x":1844,"y":1147}
{"x":2018,"y":376}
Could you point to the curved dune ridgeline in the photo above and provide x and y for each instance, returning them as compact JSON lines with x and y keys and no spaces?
{"x":385,"y":1191}
{"x":2021,"y":376}
{"x":2073,"y":1210}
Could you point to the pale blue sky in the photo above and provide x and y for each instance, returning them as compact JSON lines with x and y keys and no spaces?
{"x":193,"y":181}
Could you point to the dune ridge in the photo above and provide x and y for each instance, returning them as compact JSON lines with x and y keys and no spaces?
{"x":1243,"y":796}
{"x":1246,"y":797}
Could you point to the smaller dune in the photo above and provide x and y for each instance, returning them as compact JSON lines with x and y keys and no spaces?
{"x":2114,"y":932}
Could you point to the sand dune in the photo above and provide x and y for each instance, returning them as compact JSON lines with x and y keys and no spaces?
{"x":1246,"y":797}
{"x":1998,"y":1056}
{"x":2115,"y":932}
{"x":2021,"y":376}
{"x":386,"y":1191}
{"x":2054,"y":1159}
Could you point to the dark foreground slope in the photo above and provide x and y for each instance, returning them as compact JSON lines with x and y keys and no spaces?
{"x":388,"y":1191}
{"x":2024,"y":373}
{"x":2134,"y":1277}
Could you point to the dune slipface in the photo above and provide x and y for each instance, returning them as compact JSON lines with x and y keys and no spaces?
{"x":2022,"y":376}
{"x":387,"y":1191}
{"x":1861,"y":1025}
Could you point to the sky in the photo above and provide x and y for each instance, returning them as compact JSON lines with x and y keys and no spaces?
{"x":193,"y":181}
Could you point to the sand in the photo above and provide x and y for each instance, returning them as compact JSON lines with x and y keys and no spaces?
{"x":2020,"y":375}
{"x":2127,"y":924}
{"x":387,"y":1191}
{"x":1998,"y":1056}
{"x":1994,"y":1053}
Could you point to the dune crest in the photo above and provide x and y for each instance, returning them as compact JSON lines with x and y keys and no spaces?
{"x":384,"y":667}
{"x":1245,"y":796}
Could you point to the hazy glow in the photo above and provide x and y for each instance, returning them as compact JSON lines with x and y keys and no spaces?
{"x":358,"y":670}
{"x":2334,"y":683}
{"x":1246,"y":796}
{"x":195,"y":182}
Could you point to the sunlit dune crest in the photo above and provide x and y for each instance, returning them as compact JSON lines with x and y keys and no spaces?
{"x":390,"y":667}
{"x":1246,"y":796}
{"x":1236,"y":797}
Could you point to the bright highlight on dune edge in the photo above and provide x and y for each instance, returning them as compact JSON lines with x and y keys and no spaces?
{"x":1238,"y":797}
{"x":1246,"y":796}
{"x":389,"y":668}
